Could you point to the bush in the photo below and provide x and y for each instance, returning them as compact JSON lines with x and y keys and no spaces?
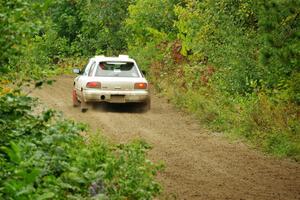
{"x":149,"y":27}
{"x":43,"y":156}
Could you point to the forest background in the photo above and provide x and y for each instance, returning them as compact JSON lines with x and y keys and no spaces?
{"x":234,"y":64}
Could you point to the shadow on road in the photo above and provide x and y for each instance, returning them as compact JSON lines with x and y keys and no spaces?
{"x":117,"y":107}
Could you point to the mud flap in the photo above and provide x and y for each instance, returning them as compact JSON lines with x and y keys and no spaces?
{"x":75,"y":99}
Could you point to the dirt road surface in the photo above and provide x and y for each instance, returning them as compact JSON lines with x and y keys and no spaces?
{"x":199,"y":164}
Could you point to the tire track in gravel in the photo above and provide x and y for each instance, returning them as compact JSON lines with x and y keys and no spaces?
{"x":199,"y":165}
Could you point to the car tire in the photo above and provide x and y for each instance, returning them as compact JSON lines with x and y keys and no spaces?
{"x":145,"y":106}
{"x":76,"y":102}
{"x":83,"y":107}
{"x":83,"y":110}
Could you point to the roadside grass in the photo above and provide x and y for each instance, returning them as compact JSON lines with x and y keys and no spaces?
{"x":44,"y":156}
{"x":261,"y":120}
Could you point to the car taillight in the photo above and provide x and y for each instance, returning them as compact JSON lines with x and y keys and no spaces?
{"x":93,"y":85}
{"x":140,"y":86}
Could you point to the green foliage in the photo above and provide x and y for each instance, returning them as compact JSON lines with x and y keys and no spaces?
{"x":39,"y":34}
{"x":113,"y":34}
{"x":91,"y":27}
{"x":294,"y":88}
{"x":66,"y":17}
{"x":235,"y":64}
{"x":279,"y":27}
{"x":28,"y":46}
{"x":149,"y":28}
{"x":20,"y":21}
{"x":147,"y":19}
{"x":223,"y":34}
{"x":273,"y":125}
{"x":44,"y":157}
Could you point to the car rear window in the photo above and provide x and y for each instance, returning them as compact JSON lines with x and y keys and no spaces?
{"x":116,"y":69}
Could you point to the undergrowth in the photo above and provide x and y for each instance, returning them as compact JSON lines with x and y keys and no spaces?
{"x":43,"y":156}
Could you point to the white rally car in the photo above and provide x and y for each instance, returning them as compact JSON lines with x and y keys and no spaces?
{"x":110,"y":79}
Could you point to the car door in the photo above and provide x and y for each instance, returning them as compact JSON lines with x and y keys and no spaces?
{"x":80,"y":80}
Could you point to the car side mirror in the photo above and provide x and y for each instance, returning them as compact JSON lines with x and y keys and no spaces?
{"x":76,"y":71}
{"x":144,"y":72}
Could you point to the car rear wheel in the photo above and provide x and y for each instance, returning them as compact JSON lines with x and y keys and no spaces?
{"x":83,"y":110}
{"x":83,"y":106}
{"x":145,"y":106}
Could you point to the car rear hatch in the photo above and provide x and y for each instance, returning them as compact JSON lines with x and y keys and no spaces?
{"x":117,"y":84}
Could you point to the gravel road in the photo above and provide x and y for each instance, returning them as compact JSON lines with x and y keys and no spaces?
{"x":199,"y":164}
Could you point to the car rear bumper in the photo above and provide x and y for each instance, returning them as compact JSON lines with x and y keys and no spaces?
{"x":115,"y":96}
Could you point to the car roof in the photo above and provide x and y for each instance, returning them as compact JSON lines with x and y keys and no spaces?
{"x":122,"y":58}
